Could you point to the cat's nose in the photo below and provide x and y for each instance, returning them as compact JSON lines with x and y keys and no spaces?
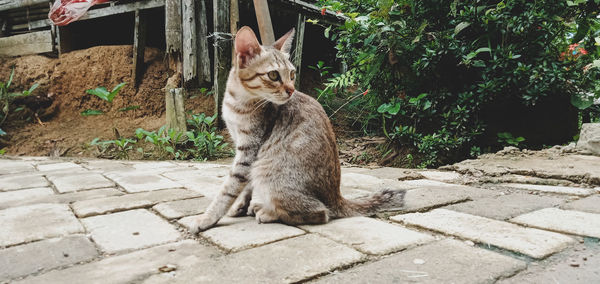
{"x":289,"y":89}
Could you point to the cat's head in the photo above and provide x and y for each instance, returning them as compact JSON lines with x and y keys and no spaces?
{"x":265,"y":71}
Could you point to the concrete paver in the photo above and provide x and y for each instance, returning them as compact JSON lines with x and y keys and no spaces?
{"x":588,"y":204}
{"x":532,"y":242}
{"x":137,"y":182}
{"x":240,"y":233}
{"x":14,"y":182}
{"x":104,"y":205}
{"x":58,"y":166}
{"x":504,"y":207}
{"x":446,"y":261}
{"x":196,"y":180}
{"x":36,"y":222}
{"x":12,"y":167}
{"x":44,"y":255}
{"x":62,"y":198}
{"x":182,"y":208}
{"x":566,"y":221}
{"x":425,"y":198}
{"x":131,"y":267}
{"x":11,"y":197}
{"x":580,"y":191}
{"x":371,"y":183}
{"x":286,"y":261}
{"x":70,"y":183}
{"x":369,"y":235}
{"x":127,"y":230}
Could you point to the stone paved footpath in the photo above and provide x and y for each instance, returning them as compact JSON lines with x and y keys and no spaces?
{"x":518,"y":217}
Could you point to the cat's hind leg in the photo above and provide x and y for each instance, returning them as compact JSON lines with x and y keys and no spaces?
{"x":240,"y":206}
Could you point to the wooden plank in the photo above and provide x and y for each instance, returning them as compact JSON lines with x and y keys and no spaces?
{"x":263,"y":17}
{"x":139,"y":46}
{"x":202,"y":43}
{"x":110,"y":10}
{"x":234,"y":19}
{"x":13,"y":4}
{"x":298,"y":43}
{"x":31,"y":43}
{"x":222,"y":53}
{"x":175,"y":109}
{"x":190,"y":46}
{"x":173,"y":26}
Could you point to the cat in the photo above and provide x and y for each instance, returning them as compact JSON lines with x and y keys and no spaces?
{"x":286,"y":168}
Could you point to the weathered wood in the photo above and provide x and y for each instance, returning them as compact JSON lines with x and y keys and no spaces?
{"x":263,"y":17}
{"x":173,"y":28}
{"x":13,"y":4}
{"x":175,"y":109}
{"x":110,"y":10}
{"x":234,"y":19}
{"x":202,"y":43}
{"x":190,"y":46}
{"x":222,"y":53}
{"x":298,"y":43}
{"x":139,"y":46}
{"x":31,"y":43}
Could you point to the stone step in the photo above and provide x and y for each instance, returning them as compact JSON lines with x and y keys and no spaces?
{"x":565,"y":221}
{"x":579,"y":191}
{"x":532,"y":242}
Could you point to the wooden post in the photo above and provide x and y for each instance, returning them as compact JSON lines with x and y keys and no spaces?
{"x":267,"y":37}
{"x":190,"y":46}
{"x":173,"y":34}
{"x":299,"y":42}
{"x":175,"y":109}
{"x":139,"y":45}
{"x":222,"y":53}
{"x":202,"y":43}
{"x":233,"y":23}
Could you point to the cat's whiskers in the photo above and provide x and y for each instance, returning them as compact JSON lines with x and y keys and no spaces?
{"x":260,"y":104}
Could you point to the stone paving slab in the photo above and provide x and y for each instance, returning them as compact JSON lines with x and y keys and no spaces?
{"x":369,"y":235}
{"x":58,"y":166}
{"x":286,"y":261}
{"x":182,"y":208}
{"x":14,"y":182}
{"x":589,"y":204}
{"x":131,"y":267}
{"x":44,"y":255}
{"x":443,"y":176}
{"x":422,"y":199}
{"x":580,"y":191}
{"x":428,"y":183}
{"x":504,"y":207}
{"x":36,"y":222}
{"x":137,"y":182}
{"x":128,"y":230}
{"x":385,"y":173}
{"x":12,"y":167}
{"x":565,"y":221}
{"x":193,"y":180}
{"x":65,"y":197}
{"x":446,"y":261}
{"x":532,"y":242}
{"x":104,"y":205}
{"x":371,"y":183}
{"x":11,"y":197}
{"x":236,"y":234}
{"x":80,"y":182}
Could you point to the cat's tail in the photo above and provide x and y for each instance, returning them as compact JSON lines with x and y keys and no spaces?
{"x":370,"y":205}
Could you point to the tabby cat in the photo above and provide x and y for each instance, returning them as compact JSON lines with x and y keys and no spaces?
{"x":286,"y":166}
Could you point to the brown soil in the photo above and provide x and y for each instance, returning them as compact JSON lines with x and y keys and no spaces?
{"x":65,"y":79}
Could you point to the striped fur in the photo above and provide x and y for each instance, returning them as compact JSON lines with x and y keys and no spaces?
{"x":286,"y":166}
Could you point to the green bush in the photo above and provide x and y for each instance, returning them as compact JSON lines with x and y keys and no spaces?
{"x":428,"y":68}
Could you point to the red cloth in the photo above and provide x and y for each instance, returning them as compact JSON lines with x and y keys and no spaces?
{"x":64,"y":12}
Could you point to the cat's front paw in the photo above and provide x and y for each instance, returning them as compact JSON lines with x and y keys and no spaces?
{"x":202,"y":223}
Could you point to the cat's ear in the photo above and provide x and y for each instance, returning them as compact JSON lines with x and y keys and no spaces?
{"x":284,"y":43}
{"x":246,"y":45}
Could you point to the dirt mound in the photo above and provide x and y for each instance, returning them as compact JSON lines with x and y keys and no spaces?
{"x":67,"y":78}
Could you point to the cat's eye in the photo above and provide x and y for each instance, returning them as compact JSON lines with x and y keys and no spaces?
{"x":292,"y":75}
{"x":273,"y":75}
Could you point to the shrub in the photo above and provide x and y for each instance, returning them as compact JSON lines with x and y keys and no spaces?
{"x":7,"y":98}
{"x":431,"y":67}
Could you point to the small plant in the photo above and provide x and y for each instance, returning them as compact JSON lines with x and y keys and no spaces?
{"x":320,"y":68}
{"x":508,"y":138}
{"x":106,"y":95}
{"x":120,"y":147}
{"x":207,"y":143}
{"x":166,"y":141}
{"x":7,"y":98}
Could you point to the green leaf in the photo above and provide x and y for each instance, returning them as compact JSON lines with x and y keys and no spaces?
{"x":2,"y":133}
{"x":581,"y":103}
{"x":461,"y":26}
{"x":28,"y":92}
{"x":100,"y":92}
{"x":118,"y":87}
{"x":89,"y":112}
{"x":129,"y":108}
